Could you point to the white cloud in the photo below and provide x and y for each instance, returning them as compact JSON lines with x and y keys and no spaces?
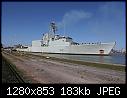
{"x":72,"y":17}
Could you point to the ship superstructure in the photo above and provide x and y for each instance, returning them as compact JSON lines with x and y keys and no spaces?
{"x":52,"y":43}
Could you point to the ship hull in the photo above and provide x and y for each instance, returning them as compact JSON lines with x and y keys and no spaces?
{"x":103,"y":49}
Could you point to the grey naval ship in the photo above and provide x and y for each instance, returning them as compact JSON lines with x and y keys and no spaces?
{"x":52,"y":43}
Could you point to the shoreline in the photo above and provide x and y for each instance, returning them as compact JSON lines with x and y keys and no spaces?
{"x":42,"y":69}
{"x":117,"y":67}
{"x":76,"y":60}
{"x":92,"y":64}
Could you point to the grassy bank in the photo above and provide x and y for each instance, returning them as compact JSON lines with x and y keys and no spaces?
{"x":99,"y":65}
{"x":92,"y":64}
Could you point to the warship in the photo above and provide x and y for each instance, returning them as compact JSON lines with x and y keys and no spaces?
{"x":52,"y":43}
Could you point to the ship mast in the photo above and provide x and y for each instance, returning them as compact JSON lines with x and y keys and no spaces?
{"x":53,"y":28}
{"x":64,"y":28}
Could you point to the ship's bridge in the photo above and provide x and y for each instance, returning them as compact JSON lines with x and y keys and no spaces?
{"x":61,"y":40}
{"x":66,"y":39}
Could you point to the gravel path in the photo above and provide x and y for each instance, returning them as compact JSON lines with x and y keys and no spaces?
{"x":49,"y":71}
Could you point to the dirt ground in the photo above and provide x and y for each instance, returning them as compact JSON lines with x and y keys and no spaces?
{"x":38,"y":70}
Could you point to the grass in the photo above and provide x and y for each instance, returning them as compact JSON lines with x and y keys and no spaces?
{"x":92,"y":64}
{"x":98,"y":65}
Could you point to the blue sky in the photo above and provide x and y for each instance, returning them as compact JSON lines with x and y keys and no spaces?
{"x":23,"y":22}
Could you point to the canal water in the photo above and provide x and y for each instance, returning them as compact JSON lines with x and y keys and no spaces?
{"x":111,"y":59}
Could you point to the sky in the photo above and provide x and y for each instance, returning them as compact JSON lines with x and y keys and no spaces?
{"x":85,"y":22}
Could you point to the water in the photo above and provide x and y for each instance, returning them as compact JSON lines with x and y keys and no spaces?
{"x":113,"y":59}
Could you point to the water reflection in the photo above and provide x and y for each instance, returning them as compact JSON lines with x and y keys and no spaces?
{"x":101,"y":59}
{"x":92,"y":58}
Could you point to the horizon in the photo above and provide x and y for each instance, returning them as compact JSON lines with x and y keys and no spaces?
{"x":85,"y":22}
